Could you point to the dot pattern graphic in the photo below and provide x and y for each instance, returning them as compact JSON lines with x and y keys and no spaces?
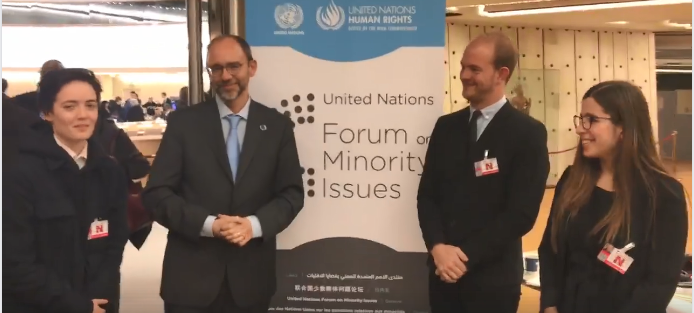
{"x":309,"y":182}
{"x":298,"y":113}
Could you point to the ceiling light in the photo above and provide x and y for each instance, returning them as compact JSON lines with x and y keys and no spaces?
{"x":664,"y":70}
{"x":451,"y":9}
{"x":618,"y":22}
{"x":578,"y":8}
{"x":680,"y":25}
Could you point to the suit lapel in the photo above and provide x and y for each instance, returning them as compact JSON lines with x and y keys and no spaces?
{"x":464,"y":132}
{"x":253,"y":136}
{"x":215,"y":137}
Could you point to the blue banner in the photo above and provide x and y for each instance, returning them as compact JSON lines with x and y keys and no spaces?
{"x":345,"y":30}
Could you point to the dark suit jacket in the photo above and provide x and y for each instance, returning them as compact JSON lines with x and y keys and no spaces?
{"x":117,"y":143}
{"x":28,"y":101}
{"x":485,"y":216}
{"x":16,"y":121}
{"x":191,"y":180}
{"x":650,"y":282}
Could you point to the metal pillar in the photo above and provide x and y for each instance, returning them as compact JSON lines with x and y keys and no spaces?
{"x":194,"y":20}
{"x":236,"y":18}
{"x":227,"y":17}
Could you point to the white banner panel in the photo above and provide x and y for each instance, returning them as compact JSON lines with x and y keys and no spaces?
{"x":361,"y":79}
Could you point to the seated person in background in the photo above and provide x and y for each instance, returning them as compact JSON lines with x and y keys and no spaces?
{"x":618,"y":227}
{"x":64,"y":214}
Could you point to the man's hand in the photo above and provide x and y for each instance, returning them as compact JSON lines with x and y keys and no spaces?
{"x":449,"y":262}
{"x":222,"y":220}
{"x":97,"y":303}
{"x":238,"y":231}
{"x":552,"y":309}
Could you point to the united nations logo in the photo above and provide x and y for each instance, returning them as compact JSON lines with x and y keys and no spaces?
{"x":289,"y":16}
{"x":330,"y":17}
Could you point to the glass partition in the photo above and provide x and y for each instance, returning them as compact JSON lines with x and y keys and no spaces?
{"x":537,"y":95}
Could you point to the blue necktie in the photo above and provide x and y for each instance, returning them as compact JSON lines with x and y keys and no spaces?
{"x":233,"y":146}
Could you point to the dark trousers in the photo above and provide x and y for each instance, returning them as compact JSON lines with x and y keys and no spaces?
{"x":224,"y":303}
{"x":468,"y":298}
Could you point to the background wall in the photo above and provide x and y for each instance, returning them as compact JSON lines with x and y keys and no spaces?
{"x":118,"y":47}
{"x":556,"y":67}
{"x":145,"y":84}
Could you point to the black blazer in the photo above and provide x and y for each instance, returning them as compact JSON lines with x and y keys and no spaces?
{"x":191,"y":179}
{"x":485,"y":216}
{"x":15,"y":122}
{"x":48,"y":207}
{"x":650,"y":282}
{"x":117,"y":143}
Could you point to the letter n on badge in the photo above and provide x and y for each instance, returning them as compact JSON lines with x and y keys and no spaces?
{"x":98,"y":229}
{"x":617,"y":258}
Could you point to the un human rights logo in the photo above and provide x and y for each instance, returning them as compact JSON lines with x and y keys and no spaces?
{"x":330,"y":17}
{"x":289,"y":16}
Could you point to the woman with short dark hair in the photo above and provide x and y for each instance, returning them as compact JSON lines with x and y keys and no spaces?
{"x":617,"y":230}
{"x":64,"y":207}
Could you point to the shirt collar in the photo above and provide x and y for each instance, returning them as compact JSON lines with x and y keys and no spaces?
{"x":74,"y":155}
{"x":224,"y":111}
{"x":490,"y":111}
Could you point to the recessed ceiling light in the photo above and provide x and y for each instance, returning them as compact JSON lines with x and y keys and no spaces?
{"x":618,"y":22}
{"x":451,"y":9}
{"x":680,"y":25}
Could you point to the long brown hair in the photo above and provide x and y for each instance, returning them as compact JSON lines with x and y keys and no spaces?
{"x":636,"y":163}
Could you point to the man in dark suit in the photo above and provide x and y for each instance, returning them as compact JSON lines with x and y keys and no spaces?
{"x":16,"y":122}
{"x":29,"y":100}
{"x":225,"y":182}
{"x":483,"y":181}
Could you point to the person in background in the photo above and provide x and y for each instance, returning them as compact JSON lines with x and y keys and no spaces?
{"x":166,"y":110}
{"x":117,"y":144}
{"x":127,"y":104}
{"x":182,"y":98}
{"x":481,"y":188}
{"x":28,"y":100}
{"x":5,"y":85}
{"x":165,"y":99}
{"x":615,"y":201}
{"x":114,"y":110}
{"x":224,"y":209}
{"x":135,"y":113}
{"x":150,"y":106}
{"x":16,"y":121}
{"x":64,"y":214}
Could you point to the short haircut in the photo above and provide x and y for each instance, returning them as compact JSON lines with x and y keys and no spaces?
{"x":238,"y":39}
{"x":505,"y":53}
{"x":54,"y":81}
{"x":51,"y":65}
{"x":4,"y":85}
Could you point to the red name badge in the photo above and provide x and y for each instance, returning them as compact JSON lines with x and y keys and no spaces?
{"x":615,"y":258}
{"x":98,"y":229}
{"x":486,"y":166}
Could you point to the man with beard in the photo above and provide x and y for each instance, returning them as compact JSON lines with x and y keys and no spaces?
{"x":483,"y":181}
{"x":226,"y":180}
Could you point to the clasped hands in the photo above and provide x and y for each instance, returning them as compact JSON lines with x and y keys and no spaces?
{"x":450,"y":262}
{"x":234,"y":229}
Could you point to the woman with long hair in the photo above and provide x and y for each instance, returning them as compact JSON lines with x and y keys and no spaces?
{"x":64,"y":207}
{"x":617,"y":231}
